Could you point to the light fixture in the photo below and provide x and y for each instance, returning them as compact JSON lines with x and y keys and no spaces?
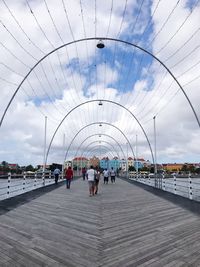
{"x":100,"y":125}
{"x":100,"y":44}
{"x":100,"y":103}
{"x":99,"y":135}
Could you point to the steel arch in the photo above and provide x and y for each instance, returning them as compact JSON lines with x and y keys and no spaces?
{"x":101,"y":38}
{"x":106,"y":143}
{"x":107,"y":101}
{"x":100,"y":140}
{"x":93,"y":123}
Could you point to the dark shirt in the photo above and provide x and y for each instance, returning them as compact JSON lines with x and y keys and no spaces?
{"x":69,"y":174}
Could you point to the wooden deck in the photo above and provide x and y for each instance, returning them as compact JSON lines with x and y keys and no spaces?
{"x":122,"y":226}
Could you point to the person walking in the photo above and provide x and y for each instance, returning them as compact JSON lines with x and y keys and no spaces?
{"x":96,"y":182}
{"x":91,"y":180}
{"x":106,"y":176}
{"x":68,"y":176}
{"x":112,"y":175}
{"x":83,"y":173}
{"x":56,"y":174}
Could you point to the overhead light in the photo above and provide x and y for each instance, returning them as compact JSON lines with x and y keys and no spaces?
{"x":100,"y":124}
{"x":100,"y":103}
{"x":100,"y":44}
{"x":99,"y":135}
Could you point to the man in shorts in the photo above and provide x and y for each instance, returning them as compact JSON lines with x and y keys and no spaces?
{"x":91,"y":173}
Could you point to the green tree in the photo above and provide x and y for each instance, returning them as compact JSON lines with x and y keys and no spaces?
{"x":145,"y":169}
{"x":30,"y":168}
{"x":191,"y":169}
{"x":4,"y":163}
{"x":197,"y":170}
{"x":184,"y":168}
{"x":131,"y":168}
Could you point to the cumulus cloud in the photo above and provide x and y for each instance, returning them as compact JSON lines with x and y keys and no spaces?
{"x":81,"y":73}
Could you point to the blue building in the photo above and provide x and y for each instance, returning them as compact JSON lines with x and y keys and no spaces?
{"x":104,"y":163}
{"x":139,"y":163}
{"x":114,"y":163}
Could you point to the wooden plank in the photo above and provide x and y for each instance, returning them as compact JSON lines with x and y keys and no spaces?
{"x":122,"y":226}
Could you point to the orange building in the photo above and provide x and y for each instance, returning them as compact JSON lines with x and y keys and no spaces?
{"x":94,"y":162}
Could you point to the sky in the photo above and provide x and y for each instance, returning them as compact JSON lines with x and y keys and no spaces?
{"x":147,"y":78}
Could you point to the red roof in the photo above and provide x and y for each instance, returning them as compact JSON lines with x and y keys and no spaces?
{"x":80,"y":158}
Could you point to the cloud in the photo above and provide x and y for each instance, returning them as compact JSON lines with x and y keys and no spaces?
{"x":80,"y":72}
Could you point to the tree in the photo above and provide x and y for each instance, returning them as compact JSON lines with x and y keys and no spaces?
{"x":184,"y":168}
{"x":145,"y":169}
{"x":191,"y":169}
{"x":30,"y":168}
{"x":4,"y":168}
{"x":131,"y":168}
{"x":4,"y":163}
{"x":197,"y":170}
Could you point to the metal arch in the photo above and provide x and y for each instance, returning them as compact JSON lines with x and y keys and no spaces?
{"x":100,"y":141}
{"x":106,"y":143}
{"x":96,"y":147}
{"x":100,"y":38}
{"x":108,"y":101}
{"x":93,"y":123}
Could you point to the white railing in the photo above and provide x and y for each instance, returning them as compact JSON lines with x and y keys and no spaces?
{"x":16,"y":184}
{"x":186,"y":186}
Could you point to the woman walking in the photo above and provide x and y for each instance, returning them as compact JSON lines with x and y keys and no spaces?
{"x":96,"y":181}
{"x":68,"y":177}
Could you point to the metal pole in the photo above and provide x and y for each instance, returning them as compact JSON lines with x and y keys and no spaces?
{"x":63,"y":166}
{"x":45,"y":141}
{"x":155,"y":164}
{"x":136,"y":157}
{"x":155,"y":157}
{"x":127,"y":160}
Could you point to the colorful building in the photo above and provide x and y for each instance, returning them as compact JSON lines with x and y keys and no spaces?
{"x":123,"y":165}
{"x":114,"y":163}
{"x":104,"y":163}
{"x":80,"y":162}
{"x":94,"y":161}
{"x":130,"y":162}
{"x":172,"y":167}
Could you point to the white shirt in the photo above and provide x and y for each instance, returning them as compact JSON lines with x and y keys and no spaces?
{"x":90,"y":174}
{"x":112,"y":173}
{"x":56,"y":171}
{"x":105,"y":173}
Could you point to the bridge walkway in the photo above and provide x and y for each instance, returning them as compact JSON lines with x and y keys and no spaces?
{"x":123,"y":226}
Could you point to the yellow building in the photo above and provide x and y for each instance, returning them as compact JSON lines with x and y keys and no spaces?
{"x":173,"y":166}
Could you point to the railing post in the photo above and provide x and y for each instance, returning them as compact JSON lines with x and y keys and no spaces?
{"x":9,"y":181}
{"x":149,"y":179}
{"x":35,"y":180}
{"x":43,"y":178}
{"x":24,"y":180}
{"x":50,"y":177}
{"x":190,"y":187}
{"x":174,"y":184}
{"x":163,"y":179}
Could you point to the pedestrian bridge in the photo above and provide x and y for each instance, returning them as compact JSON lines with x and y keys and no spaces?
{"x":126,"y":224}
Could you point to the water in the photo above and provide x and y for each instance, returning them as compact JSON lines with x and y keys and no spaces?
{"x":179,"y":186}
